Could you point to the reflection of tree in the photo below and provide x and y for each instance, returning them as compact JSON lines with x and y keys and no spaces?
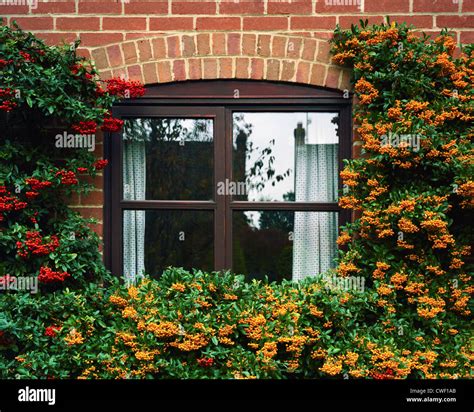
{"x":264,"y":249}
{"x":168,"y":129}
{"x":262,"y":171}
{"x":335,"y":121}
{"x":242,"y":130}
{"x":201,"y":131}
{"x":179,"y":238}
{"x":179,"y":156}
{"x":179,"y":165}
{"x":278,"y":219}
{"x":260,"y":252}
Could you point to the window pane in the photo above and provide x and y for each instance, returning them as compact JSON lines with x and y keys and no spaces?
{"x":168,"y":159}
{"x":156,"y":239}
{"x":286,"y":156}
{"x":284,"y":244}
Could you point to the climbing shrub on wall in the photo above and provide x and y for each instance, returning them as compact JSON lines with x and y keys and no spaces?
{"x":44,"y":90}
{"x":412,"y":187}
{"x":51,"y":100}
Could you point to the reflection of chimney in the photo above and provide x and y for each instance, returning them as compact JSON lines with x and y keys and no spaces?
{"x":299,"y":133}
{"x":241,"y":158}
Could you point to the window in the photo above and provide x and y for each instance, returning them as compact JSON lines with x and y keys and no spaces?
{"x":202,"y":178}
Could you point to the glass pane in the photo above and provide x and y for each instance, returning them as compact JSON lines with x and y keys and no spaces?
{"x":156,"y":239}
{"x":284,"y":244}
{"x":286,"y":156}
{"x":168,"y":159}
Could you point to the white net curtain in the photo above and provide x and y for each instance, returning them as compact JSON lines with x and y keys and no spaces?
{"x":134,"y":186}
{"x":316,"y":180}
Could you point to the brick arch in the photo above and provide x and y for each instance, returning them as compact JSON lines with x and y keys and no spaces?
{"x":210,"y":55}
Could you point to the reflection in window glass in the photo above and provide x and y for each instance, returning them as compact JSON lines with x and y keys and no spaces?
{"x":286,"y":156}
{"x":156,"y":239}
{"x":283,"y":244}
{"x":168,"y":159}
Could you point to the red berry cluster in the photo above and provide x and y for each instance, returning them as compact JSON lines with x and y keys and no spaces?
{"x":123,"y":88}
{"x":47,"y":275}
{"x":87,"y":127}
{"x":388,"y":374}
{"x":68,"y":177}
{"x":9,"y":203}
{"x":31,"y":195}
{"x":100,"y":164}
{"x":33,"y":218}
{"x":36,"y":184}
{"x":112,"y":124}
{"x":99,"y":91}
{"x":4,"y":62}
{"x":34,"y":245}
{"x":52,"y":331}
{"x":6,"y":102}
{"x":27,"y":57}
{"x":205,"y":362}
{"x":75,"y":68}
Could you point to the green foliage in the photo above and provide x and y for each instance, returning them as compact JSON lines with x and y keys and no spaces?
{"x":52,"y":80}
{"x":412,"y":186}
{"x":46,"y":213}
{"x":214,"y":325}
{"x":411,"y":320}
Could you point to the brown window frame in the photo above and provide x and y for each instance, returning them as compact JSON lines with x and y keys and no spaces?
{"x":215,"y":99}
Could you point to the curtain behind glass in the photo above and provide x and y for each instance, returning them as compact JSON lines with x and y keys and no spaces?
{"x":134,"y":181}
{"x":315,"y":234}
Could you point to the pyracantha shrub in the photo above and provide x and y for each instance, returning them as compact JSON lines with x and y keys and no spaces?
{"x":412,"y":187}
{"x":57,"y":83}
{"x":412,"y":190}
{"x":47,"y":95}
{"x":216,"y":325}
{"x":40,"y":236}
{"x":45,"y":90}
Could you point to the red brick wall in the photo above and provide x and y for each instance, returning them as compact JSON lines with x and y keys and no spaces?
{"x":171,"y":40}
{"x":100,"y":22}
{"x":91,"y":205}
